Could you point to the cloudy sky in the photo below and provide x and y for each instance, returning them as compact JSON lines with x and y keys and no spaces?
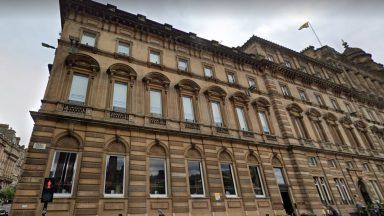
{"x":24,"y":24}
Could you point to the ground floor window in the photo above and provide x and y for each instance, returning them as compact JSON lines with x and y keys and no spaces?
{"x":157,"y":177}
{"x":228,"y":179}
{"x":343,"y":191}
{"x":196,"y":184}
{"x":63,"y":170}
{"x":322,"y":190}
{"x":114,"y":176}
{"x":257,"y":184}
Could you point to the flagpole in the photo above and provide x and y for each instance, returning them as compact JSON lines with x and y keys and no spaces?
{"x":313,"y":30}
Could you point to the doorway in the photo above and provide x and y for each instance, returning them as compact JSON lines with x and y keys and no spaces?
{"x":364,"y":192}
{"x":283,"y":187}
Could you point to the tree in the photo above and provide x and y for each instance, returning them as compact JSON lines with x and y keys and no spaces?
{"x":7,"y":193}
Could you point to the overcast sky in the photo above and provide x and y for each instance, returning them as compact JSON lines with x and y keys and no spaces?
{"x":24,"y":24}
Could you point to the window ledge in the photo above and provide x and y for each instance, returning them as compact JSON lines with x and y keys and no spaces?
{"x":199,"y":197}
{"x":114,"y":196}
{"x":158,"y":196}
{"x":155,"y":65}
{"x":58,"y":195}
{"x":232,"y":197}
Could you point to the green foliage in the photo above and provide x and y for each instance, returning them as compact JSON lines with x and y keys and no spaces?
{"x":7,"y":193}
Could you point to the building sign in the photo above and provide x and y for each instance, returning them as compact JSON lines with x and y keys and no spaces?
{"x":39,"y":146}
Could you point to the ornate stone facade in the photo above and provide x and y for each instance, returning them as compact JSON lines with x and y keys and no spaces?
{"x":12,"y":157}
{"x":143,"y":117}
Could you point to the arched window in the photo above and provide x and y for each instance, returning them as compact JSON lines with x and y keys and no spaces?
{"x":216,"y":99}
{"x":158,"y":171}
{"x":379,"y":133}
{"x":81,"y":70}
{"x":331,"y":119}
{"x":157,"y":86}
{"x":256,"y":175}
{"x":188,"y":95}
{"x":121,"y":80}
{"x":261,"y":106}
{"x":362,"y":130}
{"x":64,"y":164}
{"x":350,"y":132}
{"x":297,"y":120}
{"x":115,"y":169}
{"x":279,"y":173}
{"x":195,"y":173}
{"x":227,"y":174}
{"x":314,"y":117}
{"x":240,"y":106}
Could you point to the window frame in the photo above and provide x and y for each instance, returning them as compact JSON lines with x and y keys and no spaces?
{"x":285,"y":90}
{"x":335,"y":104}
{"x":269,"y":57}
{"x":233,"y":179}
{"x":319,"y":99}
{"x":205,"y":65}
{"x":181,"y":59}
{"x":152,"y":50}
{"x":156,"y":115}
{"x":219,"y":105}
{"x":192,"y":99}
{"x":84,"y":31}
{"x":305,"y":99}
{"x":87,"y":90}
{"x":231,"y":73}
{"x":65,"y":195}
{"x":105,"y":177}
{"x":129,"y":43}
{"x":312,"y":162}
{"x":258,"y":167}
{"x":165,"y":177}
{"x":202,"y":178}
{"x":127,"y":102}
{"x":244,"y":117}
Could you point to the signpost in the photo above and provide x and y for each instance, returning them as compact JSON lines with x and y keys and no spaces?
{"x":47,"y":194}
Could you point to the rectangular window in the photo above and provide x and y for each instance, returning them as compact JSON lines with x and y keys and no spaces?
{"x":312,"y":161}
{"x":114,"y":176}
{"x":287,"y":64}
{"x":231,"y":78}
{"x":157,"y":177}
{"x":322,"y":190}
{"x":120,"y":96}
{"x":79,"y":88}
{"x":284,"y":90}
{"x":366,"y":167}
{"x":257,"y":184}
{"x":188,"y":109}
{"x":123,"y":48}
{"x":320,"y":130}
{"x":228,"y":179}
{"x":376,"y":189}
{"x":349,"y":108}
{"x":343,"y":191}
{"x":196,"y":184}
{"x":155,"y":103}
{"x":303,"y":69}
{"x":303,"y":96}
{"x":154,"y":57}
{"x":380,"y":168}
{"x":300,"y":127}
{"x":216,"y":114}
{"x":241,"y":118}
{"x":270,"y":58}
{"x":63,"y":170}
{"x":349,"y":164}
{"x":332,"y":163}
{"x":208,"y":71}
{"x":182,"y":64}
{"x":264,"y":122}
{"x":279,"y":176}
{"x":319,"y":100}
{"x":88,"y":39}
{"x":334,"y":104}
{"x":251,"y":82}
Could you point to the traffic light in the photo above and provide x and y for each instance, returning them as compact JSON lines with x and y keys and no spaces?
{"x":48,"y":190}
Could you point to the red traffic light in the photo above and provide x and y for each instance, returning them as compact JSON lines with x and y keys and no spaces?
{"x":49,"y":184}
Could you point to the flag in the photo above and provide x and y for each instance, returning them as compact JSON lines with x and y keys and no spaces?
{"x":305,"y":25}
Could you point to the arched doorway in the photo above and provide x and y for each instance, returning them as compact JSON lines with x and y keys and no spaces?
{"x":364,"y":192}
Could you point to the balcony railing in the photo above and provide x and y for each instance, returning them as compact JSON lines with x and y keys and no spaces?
{"x":118,"y":115}
{"x":159,"y":121}
{"x":74,"y":108}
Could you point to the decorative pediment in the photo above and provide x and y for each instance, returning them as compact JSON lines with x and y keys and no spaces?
{"x":294,"y":108}
{"x":360,"y":125}
{"x":239,"y":97}
{"x":215,"y":91}
{"x":157,"y":78}
{"x":346,"y":120}
{"x":261,"y":102}
{"x":122,"y":70}
{"x":330,"y":117}
{"x":82,"y":61}
{"x":188,"y":85}
{"x":314,"y":113}
{"x":225,"y":156}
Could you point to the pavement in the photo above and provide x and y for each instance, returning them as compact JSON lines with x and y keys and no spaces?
{"x":7,"y":207}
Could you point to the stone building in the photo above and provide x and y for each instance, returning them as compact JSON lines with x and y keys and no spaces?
{"x":12,"y":156}
{"x":139,"y":117}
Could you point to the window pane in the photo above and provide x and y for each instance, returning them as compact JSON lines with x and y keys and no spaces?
{"x":120,"y":95}
{"x":63,"y":170}
{"x":216,"y":113}
{"x":226,"y":172}
{"x":251,"y":82}
{"x":88,"y":39}
{"x":195,"y":178}
{"x":279,"y":176}
{"x":123,"y":48}
{"x":231,"y":78}
{"x":188,"y":108}
{"x":183,"y":65}
{"x":154,"y":57}
{"x":114,"y":176}
{"x":208,"y":72}
{"x":241,"y":117}
{"x":264,"y":122}
{"x":157,"y":176}
{"x":155,"y":98}
{"x":79,"y":87}
{"x":256,"y":182}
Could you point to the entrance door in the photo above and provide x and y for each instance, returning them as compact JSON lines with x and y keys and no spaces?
{"x":364,"y":192}
{"x":283,"y":187}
